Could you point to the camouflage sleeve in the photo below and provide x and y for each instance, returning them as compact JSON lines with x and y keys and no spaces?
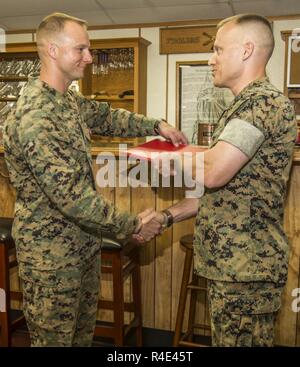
{"x":63,"y":174}
{"x":103,"y":120}
{"x":235,"y":132}
{"x":259,"y":119}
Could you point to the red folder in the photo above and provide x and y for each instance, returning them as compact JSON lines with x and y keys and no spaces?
{"x":147,"y":150}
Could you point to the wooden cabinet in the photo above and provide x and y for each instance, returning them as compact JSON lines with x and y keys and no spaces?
{"x":292,"y":71}
{"x":118,"y":75}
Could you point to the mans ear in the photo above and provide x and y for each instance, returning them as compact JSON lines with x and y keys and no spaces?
{"x":52,"y":50}
{"x":248,"y":50}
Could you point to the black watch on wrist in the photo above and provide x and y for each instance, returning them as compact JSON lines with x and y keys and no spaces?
{"x":156,"y":127}
{"x":170,"y":218}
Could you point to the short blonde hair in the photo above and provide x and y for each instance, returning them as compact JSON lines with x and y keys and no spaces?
{"x":54,"y":23}
{"x":267,"y":38}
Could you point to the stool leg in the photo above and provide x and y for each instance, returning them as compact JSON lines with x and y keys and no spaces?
{"x":137,"y":299}
{"x":182,"y":296}
{"x":118,"y":300}
{"x":192,"y":310}
{"x":5,"y":334}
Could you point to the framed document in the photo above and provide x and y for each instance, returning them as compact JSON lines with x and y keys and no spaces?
{"x":198,"y":100}
{"x":293,"y":62}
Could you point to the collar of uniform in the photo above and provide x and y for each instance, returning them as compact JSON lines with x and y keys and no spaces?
{"x":249,"y":88}
{"x":57,"y":96}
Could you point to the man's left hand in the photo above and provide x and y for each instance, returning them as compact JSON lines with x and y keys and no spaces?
{"x":170,"y":133}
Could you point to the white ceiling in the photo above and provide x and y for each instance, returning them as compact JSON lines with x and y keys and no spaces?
{"x":27,"y":14}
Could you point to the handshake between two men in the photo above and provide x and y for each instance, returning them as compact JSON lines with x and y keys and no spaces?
{"x":151,"y":224}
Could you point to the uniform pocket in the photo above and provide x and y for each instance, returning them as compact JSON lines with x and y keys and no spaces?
{"x":260,"y":302}
{"x":61,"y":281}
{"x":41,"y":278}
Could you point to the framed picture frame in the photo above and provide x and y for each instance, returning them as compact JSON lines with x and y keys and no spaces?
{"x":198,"y":101}
{"x":293,"y":62}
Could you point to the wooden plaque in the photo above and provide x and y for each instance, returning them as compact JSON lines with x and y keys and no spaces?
{"x":187,"y":39}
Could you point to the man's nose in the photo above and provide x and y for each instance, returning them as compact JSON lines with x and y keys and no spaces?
{"x":211,"y":60}
{"x":88,"y":57}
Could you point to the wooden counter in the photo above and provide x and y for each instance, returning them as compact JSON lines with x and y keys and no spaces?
{"x":162,"y":259}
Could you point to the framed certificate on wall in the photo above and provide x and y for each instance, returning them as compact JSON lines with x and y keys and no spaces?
{"x":198,"y":100}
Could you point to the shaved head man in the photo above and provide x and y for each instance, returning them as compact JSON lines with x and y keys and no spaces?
{"x":243,"y":46}
{"x":255,"y":29}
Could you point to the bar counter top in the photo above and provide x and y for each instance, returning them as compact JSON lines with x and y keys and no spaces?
{"x":98,"y":149}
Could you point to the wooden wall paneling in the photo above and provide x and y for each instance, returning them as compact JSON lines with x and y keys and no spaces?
{"x":163,"y":266}
{"x":7,"y":204}
{"x":143,"y":198}
{"x":123,"y":204}
{"x":286,"y":323}
{"x":298,"y":317}
{"x":202,"y":310}
{"x":7,"y":193}
{"x":15,"y":285}
{"x":178,"y":255}
{"x":106,"y":281}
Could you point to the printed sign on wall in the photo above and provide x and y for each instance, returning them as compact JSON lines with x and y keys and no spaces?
{"x":180,"y":40}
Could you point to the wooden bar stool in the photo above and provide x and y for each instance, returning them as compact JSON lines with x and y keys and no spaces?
{"x":7,"y":261}
{"x":121,"y":259}
{"x":194,"y":287}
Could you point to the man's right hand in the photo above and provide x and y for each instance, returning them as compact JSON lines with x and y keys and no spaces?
{"x":150,"y":225}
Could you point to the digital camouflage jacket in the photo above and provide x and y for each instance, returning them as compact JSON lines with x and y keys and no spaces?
{"x":59,"y":216}
{"x":239,"y":233}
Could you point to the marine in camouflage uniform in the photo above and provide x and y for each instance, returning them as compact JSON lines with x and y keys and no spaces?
{"x":59,"y":216}
{"x":239,"y":242}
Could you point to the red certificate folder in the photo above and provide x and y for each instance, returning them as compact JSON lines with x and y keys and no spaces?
{"x":150,"y":149}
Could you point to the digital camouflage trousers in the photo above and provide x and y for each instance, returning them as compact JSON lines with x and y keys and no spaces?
{"x":60,"y":307}
{"x":243,"y":314}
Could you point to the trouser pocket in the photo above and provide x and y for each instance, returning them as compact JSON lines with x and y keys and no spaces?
{"x":243,"y":314}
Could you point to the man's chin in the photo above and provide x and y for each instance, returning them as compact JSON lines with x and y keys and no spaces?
{"x":217,"y":83}
{"x":78,"y":76}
